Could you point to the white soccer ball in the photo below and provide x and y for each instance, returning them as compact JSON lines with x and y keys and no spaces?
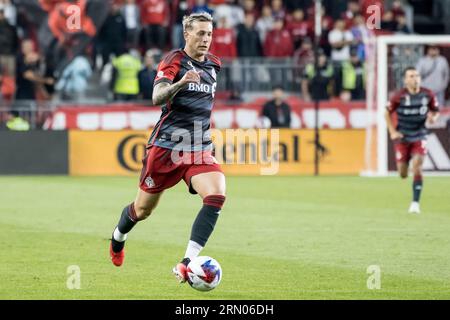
{"x":204,"y":273}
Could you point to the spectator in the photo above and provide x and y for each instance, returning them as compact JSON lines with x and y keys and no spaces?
{"x":146,"y":77}
{"x":316,"y":83}
{"x":223,"y":43}
{"x":353,"y":78}
{"x":278,"y":11}
{"x":125,"y":79}
{"x":74,"y":79}
{"x":112,"y":36}
{"x":58,"y":18}
{"x":15,"y":122}
{"x":233,"y":13}
{"x":180,"y":9}
{"x":10,"y":11}
{"x":397,"y":9}
{"x":132,"y":16}
{"x":298,"y":27}
{"x":250,"y":8}
{"x":302,"y":57}
{"x":277,"y":111}
{"x":201,"y":6}
{"x":402,"y":26}
{"x":360,"y":35}
{"x":155,"y":20}
{"x":434,"y":71}
{"x":387,"y":21}
{"x":28,"y":78}
{"x":353,"y":10}
{"x":265,"y":23}
{"x":278,"y":42}
{"x":327,"y":25}
{"x":7,"y":86}
{"x":340,"y":41}
{"x":305,"y":54}
{"x":8,"y":45}
{"x":248,"y":44}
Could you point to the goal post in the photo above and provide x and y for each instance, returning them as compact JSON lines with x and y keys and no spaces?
{"x":380,"y":71}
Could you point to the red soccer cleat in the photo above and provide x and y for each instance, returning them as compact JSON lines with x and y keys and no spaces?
{"x":180,"y":270}
{"x":116,"y":257}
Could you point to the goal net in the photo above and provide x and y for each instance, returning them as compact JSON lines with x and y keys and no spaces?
{"x":387,"y":57}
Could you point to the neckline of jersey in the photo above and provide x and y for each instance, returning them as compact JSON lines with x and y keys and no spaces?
{"x":413,"y":94}
{"x":192,"y":59}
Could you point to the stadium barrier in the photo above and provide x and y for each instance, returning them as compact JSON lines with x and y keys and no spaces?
{"x":241,"y":152}
{"x":34,"y":152}
{"x":334,"y":114}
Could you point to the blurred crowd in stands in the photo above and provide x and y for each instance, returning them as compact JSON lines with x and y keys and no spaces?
{"x":125,"y":50}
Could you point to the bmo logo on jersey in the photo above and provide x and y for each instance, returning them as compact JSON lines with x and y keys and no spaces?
{"x":202,"y":87}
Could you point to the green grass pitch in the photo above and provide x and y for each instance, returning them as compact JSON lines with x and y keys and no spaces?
{"x":277,"y":238}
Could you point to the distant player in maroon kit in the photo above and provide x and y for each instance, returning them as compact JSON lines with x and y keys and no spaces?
{"x":415,"y":107}
{"x":180,"y":146}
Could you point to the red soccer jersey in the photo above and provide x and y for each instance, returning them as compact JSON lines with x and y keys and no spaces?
{"x":412,"y":111}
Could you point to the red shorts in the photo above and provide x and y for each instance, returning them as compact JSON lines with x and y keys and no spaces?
{"x":163,"y":168}
{"x":404,"y":151}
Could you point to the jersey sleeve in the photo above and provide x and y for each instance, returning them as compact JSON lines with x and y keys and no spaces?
{"x":393,"y":103}
{"x":216,"y":61}
{"x":168,"y":69}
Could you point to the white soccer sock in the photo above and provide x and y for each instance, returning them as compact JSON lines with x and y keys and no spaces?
{"x":193,"y":250}
{"x":119,"y":236}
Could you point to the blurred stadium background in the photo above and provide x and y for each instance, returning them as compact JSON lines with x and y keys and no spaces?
{"x":75,"y":101}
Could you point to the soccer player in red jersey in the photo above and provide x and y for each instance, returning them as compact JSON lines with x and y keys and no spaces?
{"x":180,"y":145}
{"x":414,"y":106}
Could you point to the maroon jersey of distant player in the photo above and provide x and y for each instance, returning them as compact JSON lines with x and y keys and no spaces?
{"x":185,"y":120}
{"x":412,"y":111}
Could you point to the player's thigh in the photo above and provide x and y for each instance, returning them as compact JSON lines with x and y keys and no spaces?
{"x":145,"y":203}
{"x":402,"y":168}
{"x":209,"y":183}
{"x":402,"y":157}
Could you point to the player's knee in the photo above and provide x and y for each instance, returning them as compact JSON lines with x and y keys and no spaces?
{"x":142,"y":212}
{"x":403,"y":175}
{"x":215,"y":199}
{"x":417,"y":171}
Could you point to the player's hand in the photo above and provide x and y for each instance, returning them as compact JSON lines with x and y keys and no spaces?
{"x":191,"y":76}
{"x":396,"y":135}
{"x":431,"y":119}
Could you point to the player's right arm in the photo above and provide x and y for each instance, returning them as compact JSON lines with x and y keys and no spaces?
{"x":164,"y":91}
{"x":392,"y":132}
{"x":390,"y":108}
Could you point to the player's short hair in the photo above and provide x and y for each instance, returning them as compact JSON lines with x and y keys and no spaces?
{"x":277,"y":86}
{"x":408,"y":69}
{"x":190,"y":19}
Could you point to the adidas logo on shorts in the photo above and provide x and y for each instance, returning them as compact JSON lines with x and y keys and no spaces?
{"x":149,"y":182}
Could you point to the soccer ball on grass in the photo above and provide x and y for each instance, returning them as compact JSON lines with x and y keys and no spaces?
{"x":204,"y":273}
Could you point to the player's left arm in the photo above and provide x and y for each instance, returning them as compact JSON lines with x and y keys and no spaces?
{"x":433,"y":106}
